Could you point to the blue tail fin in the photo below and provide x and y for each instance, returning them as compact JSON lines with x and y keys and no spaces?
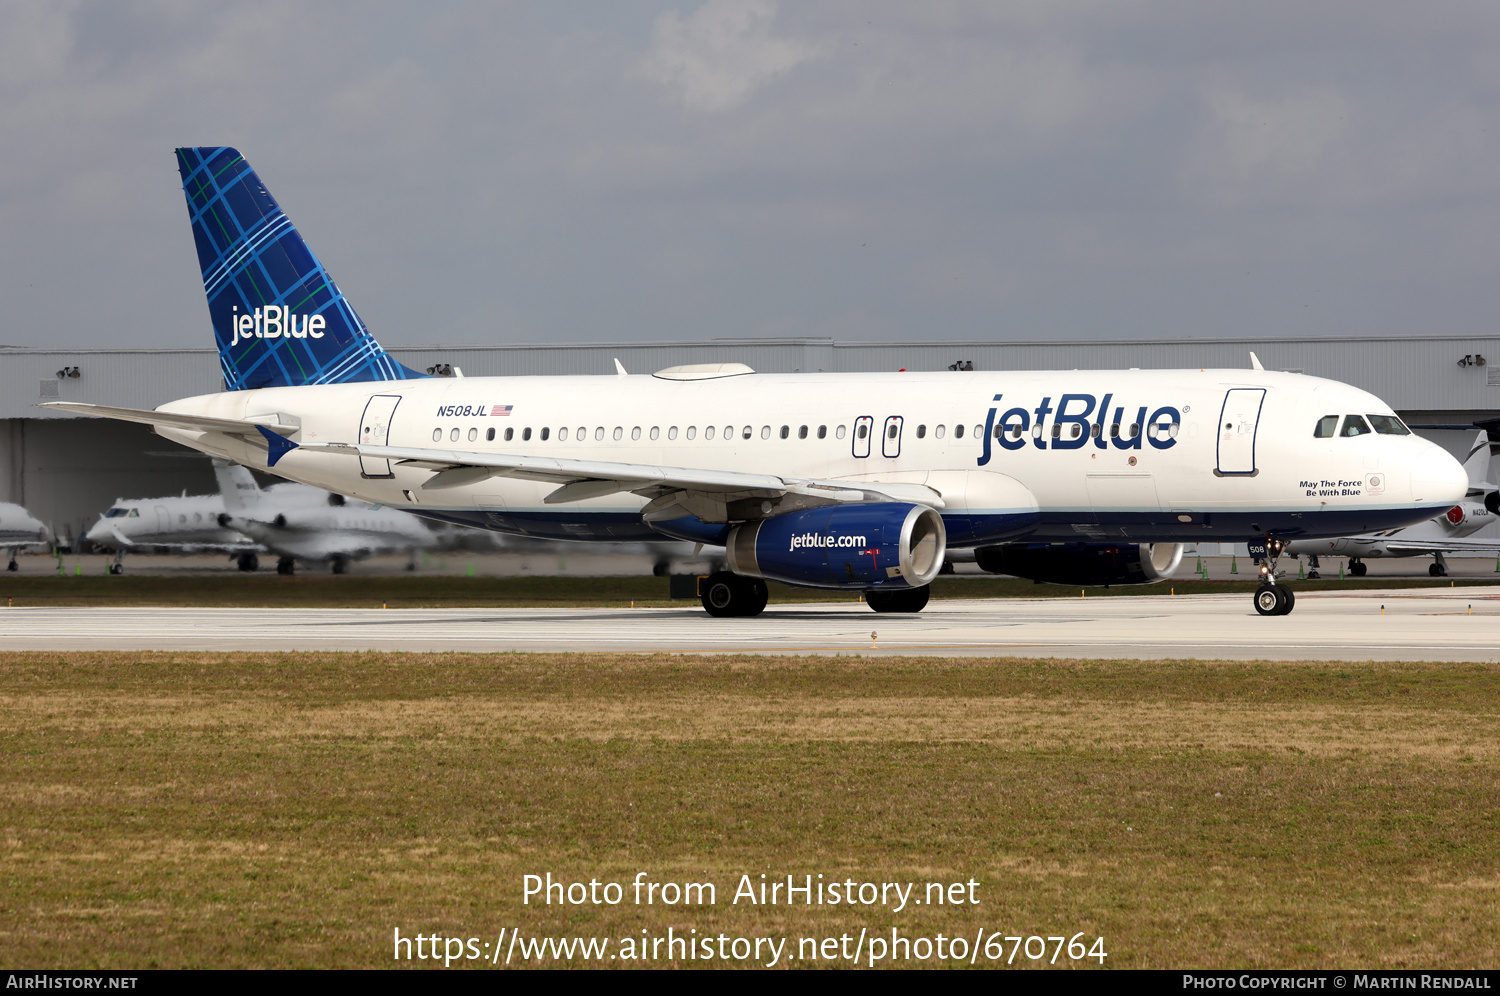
{"x":279,"y":319}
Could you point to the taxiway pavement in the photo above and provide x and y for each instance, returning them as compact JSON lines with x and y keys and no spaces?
{"x":1459,"y":624}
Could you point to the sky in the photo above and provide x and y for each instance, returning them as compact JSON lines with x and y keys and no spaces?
{"x":623,"y":171}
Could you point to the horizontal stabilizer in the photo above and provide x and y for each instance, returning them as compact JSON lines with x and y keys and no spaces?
{"x":200,"y":423}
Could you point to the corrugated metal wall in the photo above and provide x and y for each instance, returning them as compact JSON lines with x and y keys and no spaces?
{"x":1419,"y":374}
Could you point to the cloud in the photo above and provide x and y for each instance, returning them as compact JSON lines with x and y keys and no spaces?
{"x":717,"y":57}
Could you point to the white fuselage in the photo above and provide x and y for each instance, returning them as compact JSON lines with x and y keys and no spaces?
{"x":1234,"y":455}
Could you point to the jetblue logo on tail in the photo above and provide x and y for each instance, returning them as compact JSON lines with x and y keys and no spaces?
{"x":275,"y":323}
{"x":278,"y":317}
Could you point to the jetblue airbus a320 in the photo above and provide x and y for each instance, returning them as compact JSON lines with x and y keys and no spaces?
{"x":840,"y":481}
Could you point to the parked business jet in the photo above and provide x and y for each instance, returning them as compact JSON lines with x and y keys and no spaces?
{"x":846,"y":481}
{"x":20,"y":530}
{"x":186,"y":524}
{"x":330,"y":531}
{"x":292,"y":521}
{"x":1450,"y":532}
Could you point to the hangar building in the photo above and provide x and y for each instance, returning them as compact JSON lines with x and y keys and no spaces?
{"x":67,"y":470}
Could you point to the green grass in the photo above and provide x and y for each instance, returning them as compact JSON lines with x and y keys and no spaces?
{"x":403,"y":591}
{"x":292,"y":809}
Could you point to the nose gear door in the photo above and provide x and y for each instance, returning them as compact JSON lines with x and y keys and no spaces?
{"x":1238,"y":421}
{"x":375,"y":430}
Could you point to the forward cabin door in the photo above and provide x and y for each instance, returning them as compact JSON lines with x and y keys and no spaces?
{"x":1238,"y":422}
{"x":375,"y":430}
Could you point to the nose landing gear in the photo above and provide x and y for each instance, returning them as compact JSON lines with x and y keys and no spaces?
{"x":1272,"y":599}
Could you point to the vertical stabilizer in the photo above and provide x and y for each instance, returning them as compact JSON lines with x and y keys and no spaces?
{"x":238,"y":487}
{"x":1477,"y":465}
{"x":279,"y":319}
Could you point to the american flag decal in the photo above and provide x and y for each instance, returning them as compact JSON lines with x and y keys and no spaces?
{"x":501,"y":409}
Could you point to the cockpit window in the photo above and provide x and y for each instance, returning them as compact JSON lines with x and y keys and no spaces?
{"x":1328,"y":427}
{"x":1388,"y":425}
{"x":1354,"y":426}
{"x":114,"y":513}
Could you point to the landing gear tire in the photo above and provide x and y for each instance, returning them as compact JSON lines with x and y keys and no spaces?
{"x":13,"y":566}
{"x":339,"y":565}
{"x":1357,"y":568}
{"x":113,"y":568}
{"x":1274,"y":600}
{"x":286,"y":565}
{"x":726,"y":594}
{"x":1437,"y":570}
{"x":248,"y":562}
{"x":899,"y":600}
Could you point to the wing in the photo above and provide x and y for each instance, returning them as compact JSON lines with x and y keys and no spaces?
{"x":711,"y":495}
{"x":1417,"y":548}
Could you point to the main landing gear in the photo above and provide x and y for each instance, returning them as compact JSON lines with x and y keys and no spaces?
{"x":1357,"y":568}
{"x":899,"y":599}
{"x":248,"y":562}
{"x":1272,"y":599}
{"x":727,"y":594}
{"x":1439,"y":567}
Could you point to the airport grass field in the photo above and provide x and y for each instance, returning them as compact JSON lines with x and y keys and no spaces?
{"x":201,"y":809}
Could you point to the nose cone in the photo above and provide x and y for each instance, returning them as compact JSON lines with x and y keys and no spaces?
{"x":1437,"y":478}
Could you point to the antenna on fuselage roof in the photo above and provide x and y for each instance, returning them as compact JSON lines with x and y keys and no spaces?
{"x":1255,"y":361}
{"x":620,"y":368}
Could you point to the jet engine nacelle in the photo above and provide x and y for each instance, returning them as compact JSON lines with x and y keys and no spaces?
{"x":1083,"y":563}
{"x":866,"y":546}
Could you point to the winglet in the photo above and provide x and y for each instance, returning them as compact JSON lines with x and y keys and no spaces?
{"x":276,"y":446}
{"x":620,"y":368}
{"x":1255,"y":361}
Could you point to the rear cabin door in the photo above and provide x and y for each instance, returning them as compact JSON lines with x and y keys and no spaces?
{"x":1238,"y":421}
{"x":375,"y":430}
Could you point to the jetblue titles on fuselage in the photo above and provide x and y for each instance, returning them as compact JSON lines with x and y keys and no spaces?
{"x":1076,"y":423}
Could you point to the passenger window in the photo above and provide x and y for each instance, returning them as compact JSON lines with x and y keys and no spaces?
{"x":891,"y":430}
{"x":526,"y":434}
{"x":672,"y":432}
{"x":693,"y":431}
{"x":619,"y":433}
{"x":598,"y":434}
{"x":1327,"y":427}
{"x":978,"y":431}
{"x":489,"y":435}
{"x":1135,"y":429}
{"x":562,"y":434}
{"x":1094,"y":430}
{"x":546,"y":431}
{"x":786,"y":431}
{"x":939,"y":431}
{"x":583,"y":433}
{"x":862,"y":431}
{"x":765,"y":432}
{"x":729,"y":433}
{"x":473,"y":434}
{"x":708,"y":432}
{"x":802,"y":432}
{"x":958,"y":432}
{"x":822,"y":432}
{"x":510,"y":433}
{"x":1114,"y":431}
{"x":921,"y":432}
{"x":453,"y":435}
{"x":838,"y":433}
{"x":635,"y":433}
{"x":655,"y":432}
{"x":1056,"y":430}
{"x":1389,"y":425}
{"x":750,"y":430}
{"x":437,"y":435}
{"x":1354,"y":426}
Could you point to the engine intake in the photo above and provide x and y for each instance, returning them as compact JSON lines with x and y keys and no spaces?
{"x":879,"y":545}
{"x":1083,"y":563}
